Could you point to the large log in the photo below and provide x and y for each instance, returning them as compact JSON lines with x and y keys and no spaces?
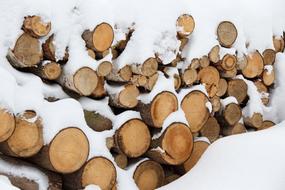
{"x":185,"y":25}
{"x":174,"y":146}
{"x":7,"y":124}
{"x":158,"y":109}
{"x":66,"y":153}
{"x":27,"y":138}
{"x":227,"y":34}
{"x":254,"y":66}
{"x":98,"y":171}
{"x":147,"y":68}
{"x":238,"y":89}
{"x":34,"y":26}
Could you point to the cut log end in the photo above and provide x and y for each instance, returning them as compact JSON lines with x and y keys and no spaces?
{"x":214,"y":54}
{"x":126,"y":73}
{"x":269,"y":56}
{"x":238,"y":89}
{"x":35,"y":26}
{"x":278,"y":43}
{"x":254,"y":66}
{"x":128,"y":96}
{"x":149,"y":175}
{"x":7,"y":124}
{"x":99,"y":171}
{"x":232,"y":113}
{"x":227,"y":34}
{"x":255,"y":121}
{"x":104,"y":68}
{"x":266,"y":124}
{"x":149,"y":67}
{"x":210,"y":77}
{"x":185,"y":25}
{"x":103,"y":36}
{"x":268,"y":77}
{"x":222,"y":87}
{"x":68,"y":150}
{"x":190,"y":76}
{"x":229,"y":62}
{"x":238,"y":128}
{"x":85,"y":80}
{"x":51,"y":71}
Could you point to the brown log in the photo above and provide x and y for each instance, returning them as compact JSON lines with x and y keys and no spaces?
{"x":49,"y":50}
{"x":162,"y":105}
{"x":174,"y":146}
{"x":261,"y":88}
{"x":222,"y":87}
{"x":227,"y":34}
{"x":100,"y":39}
{"x":229,"y":62}
{"x":148,"y":175}
{"x":211,"y":129}
{"x":229,"y":74}
{"x":121,"y":160}
{"x":278,"y":43}
{"x":96,"y":121}
{"x":195,"y":64}
{"x":189,"y":77}
{"x":83,"y":81}
{"x":214,"y":54}
{"x":170,"y":178}
{"x":268,"y":77}
{"x":91,"y":53}
{"x":237,"y":128}
{"x":66,"y":153}
{"x":104,"y":68}
{"x":27,"y":138}
{"x":148,"y":68}
{"x":97,"y":171}
{"x":210,"y":77}
{"x":48,"y":70}
{"x":199,"y":148}
{"x":34,"y":26}
{"x":120,"y":75}
{"x":146,"y":82}
{"x":238,"y":89}
{"x":125,"y":98}
{"x":231,"y":114}
{"x":131,"y":139}
{"x":254,"y":65}
{"x":185,"y":25}
{"x":7,"y":125}
{"x":216,"y":104}
{"x":266,"y":124}
{"x":204,"y":61}
{"x":26,"y":53}
{"x":255,"y":121}
{"x":269,"y":56}
{"x":100,"y":91}
{"x":196,"y":112}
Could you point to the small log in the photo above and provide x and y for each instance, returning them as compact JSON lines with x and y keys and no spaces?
{"x":210,"y":77}
{"x":98,"y":171}
{"x":204,"y":61}
{"x":34,"y":26}
{"x":278,"y":43}
{"x":231,"y":114}
{"x":269,"y":56}
{"x":148,"y":68}
{"x":162,"y":105}
{"x":261,"y":88}
{"x":104,"y":68}
{"x":222,"y":87}
{"x":149,"y":175}
{"x":27,"y":138}
{"x":26,"y":53}
{"x":91,"y":53}
{"x":49,"y":51}
{"x":145,"y":82}
{"x":214,"y":54}
{"x":27,"y":182}
{"x":254,"y":65}
{"x":268,"y":76}
{"x":185,"y":25}
{"x":189,"y":77}
{"x":199,"y":148}
{"x":96,"y":121}
{"x":131,"y":139}
{"x":229,"y":74}
{"x":255,"y":121}
{"x":174,"y":146}
{"x":8,"y":124}
{"x":238,"y":89}
{"x":48,"y":70}
{"x":183,"y":43}
{"x":100,"y":39}
{"x":120,"y":75}
{"x":100,"y":91}
{"x":121,"y":160}
{"x":195,"y":109}
{"x":195,"y":64}
{"x":266,"y":124}
{"x":216,"y":104}
{"x":66,"y":153}
{"x":227,"y":34}
{"x":211,"y":129}
{"x":237,"y":128}
{"x":126,"y":97}
{"x":229,"y":62}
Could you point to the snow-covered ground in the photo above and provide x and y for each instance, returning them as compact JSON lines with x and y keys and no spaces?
{"x":252,"y":161}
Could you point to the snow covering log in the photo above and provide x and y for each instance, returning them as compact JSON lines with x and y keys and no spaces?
{"x":98,"y":171}
{"x":229,"y":62}
{"x":263,"y":90}
{"x":27,"y":138}
{"x":222,"y":87}
{"x":214,"y":54}
{"x":34,"y":26}
{"x":195,"y":109}
{"x":83,"y":81}
{"x":278,"y":43}
{"x":148,"y":175}
{"x":266,"y":124}
{"x":104,"y":68}
{"x":254,"y":66}
{"x":25,"y":182}
{"x":211,"y":129}
{"x":269,"y":56}
{"x":126,"y":97}
{"x":147,"y":68}
{"x":237,"y":128}
{"x":132,"y":138}
{"x":120,"y":75}
{"x":231,"y":114}
{"x":49,"y":51}
{"x":199,"y":148}
{"x":100,"y":91}
{"x":189,"y":77}
{"x":158,"y":109}
{"x":268,"y":76}
{"x":48,"y":70}
{"x":210,"y":77}
{"x":254,"y":121}
{"x":26,"y":53}
{"x":174,"y":146}
{"x":227,"y":34}
{"x":8,"y":124}
{"x":66,"y":153}
{"x":96,"y":121}
{"x":238,"y":89}
{"x":100,"y":39}
{"x":185,"y":25}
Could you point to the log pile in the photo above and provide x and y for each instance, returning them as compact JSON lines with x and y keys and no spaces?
{"x":177,"y":148}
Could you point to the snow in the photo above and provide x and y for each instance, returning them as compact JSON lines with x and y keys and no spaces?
{"x":92,"y":187}
{"x":6,"y":184}
{"x":268,"y":68}
{"x":228,"y":100}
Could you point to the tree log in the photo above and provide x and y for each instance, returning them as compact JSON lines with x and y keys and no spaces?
{"x":262,"y":89}
{"x":148,"y":68}
{"x":34,"y":26}
{"x":216,"y":104}
{"x":238,"y":89}
{"x":238,"y":128}
{"x":269,"y":56}
{"x":268,"y":76}
{"x":120,"y":75}
{"x":204,"y":61}
{"x":185,"y":25}
{"x":227,"y":34}
{"x":278,"y":43}
{"x":104,"y":68}
{"x":214,"y":54}
{"x":231,"y":114}
{"x":210,"y":77}
{"x":211,"y":129}
{"x":96,"y":121}
{"x":229,"y":62}
{"x":266,"y":124}
{"x":222,"y":87}
{"x":7,"y":125}
{"x":189,"y":77}
{"x":48,"y":70}
{"x":254,"y":65}
{"x":255,"y":121}
{"x":100,"y":91}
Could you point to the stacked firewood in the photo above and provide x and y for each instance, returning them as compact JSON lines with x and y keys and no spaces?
{"x":172,"y":149}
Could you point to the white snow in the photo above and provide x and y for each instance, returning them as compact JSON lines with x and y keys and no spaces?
{"x":92,"y":187}
{"x":6,"y":184}
{"x":228,"y":100}
{"x":268,"y":68}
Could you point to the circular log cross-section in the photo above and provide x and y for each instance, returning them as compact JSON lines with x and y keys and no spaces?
{"x":266,"y":124}
{"x":232,"y":113}
{"x":269,"y":56}
{"x":254,"y":121}
{"x":85,"y":80}
{"x":147,"y":68}
{"x":210,"y":77}
{"x":254,"y":66}
{"x":149,"y":175}
{"x":268,"y":77}
{"x":99,"y":171}
{"x":229,"y":62}
{"x":190,"y":76}
{"x":104,"y":68}
{"x":227,"y":34}
{"x":128,"y":96}
{"x":214,"y":54}
{"x":34,"y":26}
{"x":50,"y":71}
{"x":133,"y":138}
{"x":238,"y":89}
{"x":185,"y":25}
{"x":7,"y":124}
{"x":195,"y":109}
{"x":222,"y":87}
{"x":103,"y":36}
{"x":278,"y":43}
{"x":68,"y":150}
